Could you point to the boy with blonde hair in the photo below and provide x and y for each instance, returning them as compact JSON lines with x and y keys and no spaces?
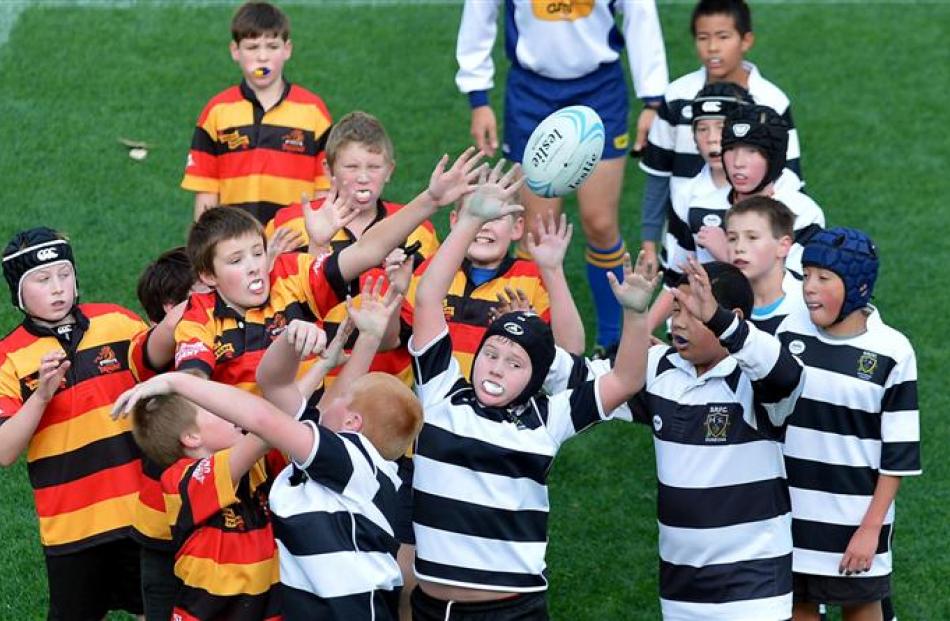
{"x":258,"y":145}
{"x":224,"y":333}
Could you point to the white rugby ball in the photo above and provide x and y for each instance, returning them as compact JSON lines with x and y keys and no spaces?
{"x":563,"y":151}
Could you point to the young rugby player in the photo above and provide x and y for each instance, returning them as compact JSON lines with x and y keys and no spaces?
{"x":854,"y":435}
{"x":722,"y":35}
{"x":60,"y":371}
{"x":759,"y":231}
{"x":486,"y":447}
{"x":224,"y":333}
{"x":258,"y":145}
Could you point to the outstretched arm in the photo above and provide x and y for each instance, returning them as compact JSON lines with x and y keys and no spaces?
{"x":548,"y":252}
{"x":445,"y":187}
{"x":634,"y":294}
{"x":248,"y":411}
{"x":488,"y":202}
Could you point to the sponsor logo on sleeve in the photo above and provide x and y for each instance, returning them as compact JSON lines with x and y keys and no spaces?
{"x":190,"y":351}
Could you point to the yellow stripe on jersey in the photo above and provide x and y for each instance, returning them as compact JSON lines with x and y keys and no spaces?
{"x":90,"y":427}
{"x":101,"y":517}
{"x":226,"y":579}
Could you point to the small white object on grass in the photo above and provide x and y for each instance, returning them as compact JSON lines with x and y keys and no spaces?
{"x":138,"y":154}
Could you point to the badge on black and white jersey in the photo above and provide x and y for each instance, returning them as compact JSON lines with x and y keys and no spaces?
{"x":657,"y":423}
{"x":796,"y":347}
{"x":867,"y":364}
{"x":717,"y":423}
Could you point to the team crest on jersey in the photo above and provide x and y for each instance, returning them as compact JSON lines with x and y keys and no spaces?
{"x":276,"y":325}
{"x":106,"y":361}
{"x":223,"y":350}
{"x":235,"y":140}
{"x":796,"y":347}
{"x":294,"y":141}
{"x":657,"y":423}
{"x":687,"y":112}
{"x":231,"y":519}
{"x":568,"y":10}
{"x":717,"y":423}
{"x":712,"y":219}
{"x":867,"y":364}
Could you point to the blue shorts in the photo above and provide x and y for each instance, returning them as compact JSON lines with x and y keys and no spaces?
{"x":529,"y":98}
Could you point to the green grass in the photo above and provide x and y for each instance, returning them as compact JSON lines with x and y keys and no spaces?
{"x":868,"y":88}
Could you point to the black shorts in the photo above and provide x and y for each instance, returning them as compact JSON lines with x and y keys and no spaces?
{"x":85,"y":585}
{"x":839,"y":590}
{"x":524,"y":607}
{"x":159,"y":583}
{"x":402,"y":525}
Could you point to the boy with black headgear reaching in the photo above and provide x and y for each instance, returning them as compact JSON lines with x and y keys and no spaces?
{"x":854,"y":434}
{"x":480,"y":499}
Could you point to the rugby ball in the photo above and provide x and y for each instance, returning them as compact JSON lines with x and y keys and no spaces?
{"x":563,"y":151}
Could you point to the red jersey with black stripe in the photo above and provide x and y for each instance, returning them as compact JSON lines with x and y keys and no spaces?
{"x":467,"y":305}
{"x":83,"y":466}
{"x":227,"y":557}
{"x":260,"y":160}
{"x":395,"y":361}
{"x":227,"y":347}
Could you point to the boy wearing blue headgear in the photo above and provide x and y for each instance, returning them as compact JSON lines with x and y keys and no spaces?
{"x":854,"y":434}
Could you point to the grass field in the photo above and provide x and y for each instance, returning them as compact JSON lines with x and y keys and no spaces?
{"x":868,"y":84}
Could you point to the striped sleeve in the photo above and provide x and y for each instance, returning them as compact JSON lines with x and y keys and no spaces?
{"x":900,"y":420}
{"x":435,"y":369}
{"x":572,"y":411}
{"x":325,"y":285}
{"x":777,"y":376}
{"x":201,"y":169}
{"x":10,"y":398}
{"x":194,"y":338}
{"x":139,"y":363}
{"x":793,"y":153}
{"x":204,"y":489}
{"x":567,"y":371}
{"x":329,"y":462}
{"x":659,"y":153}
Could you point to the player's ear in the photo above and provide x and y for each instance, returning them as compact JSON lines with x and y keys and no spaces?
{"x":784,"y":246}
{"x":517,"y":227}
{"x":748,"y":40}
{"x":234,"y":51}
{"x":207,"y":279}
{"x":353,"y":421}
{"x":190,"y":438}
{"x":453,"y":217}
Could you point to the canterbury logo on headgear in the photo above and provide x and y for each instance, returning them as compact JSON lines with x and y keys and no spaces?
{"x":513,"y":328}
{"x":712,"y":106}
{"x":46,"y":254}
{"x":741,"y":129}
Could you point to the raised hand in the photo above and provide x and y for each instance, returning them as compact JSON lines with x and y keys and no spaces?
{"x":334,"y":355}
{"x":699,"y":302}
{"x":285,"y":239}
{"x":398,"y":266}
{"x":53,"y":367}
{"x":447,"y":186}
{"x":554,"y":238}
{"x":375,"y":309}
{"x":336,"y":212}
{"x":306,"y":338}
{"x":492,"y":196}
{"x":639,"y":282}
{"x":713,"y":239}
{"x":158,"y":385}
{"x":510,"y":301}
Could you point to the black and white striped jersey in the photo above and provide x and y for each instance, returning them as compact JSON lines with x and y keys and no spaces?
{"x":332,"y":521}
{"x":480,"y":496}
{"x":769,"y":318}
{"x":722,"y":502}
{"x":710,"y":210}
{"x":671,"y":151}
{"x":857,"y":418}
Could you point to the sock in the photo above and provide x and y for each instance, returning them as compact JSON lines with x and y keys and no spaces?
{"x":599,"y":262}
